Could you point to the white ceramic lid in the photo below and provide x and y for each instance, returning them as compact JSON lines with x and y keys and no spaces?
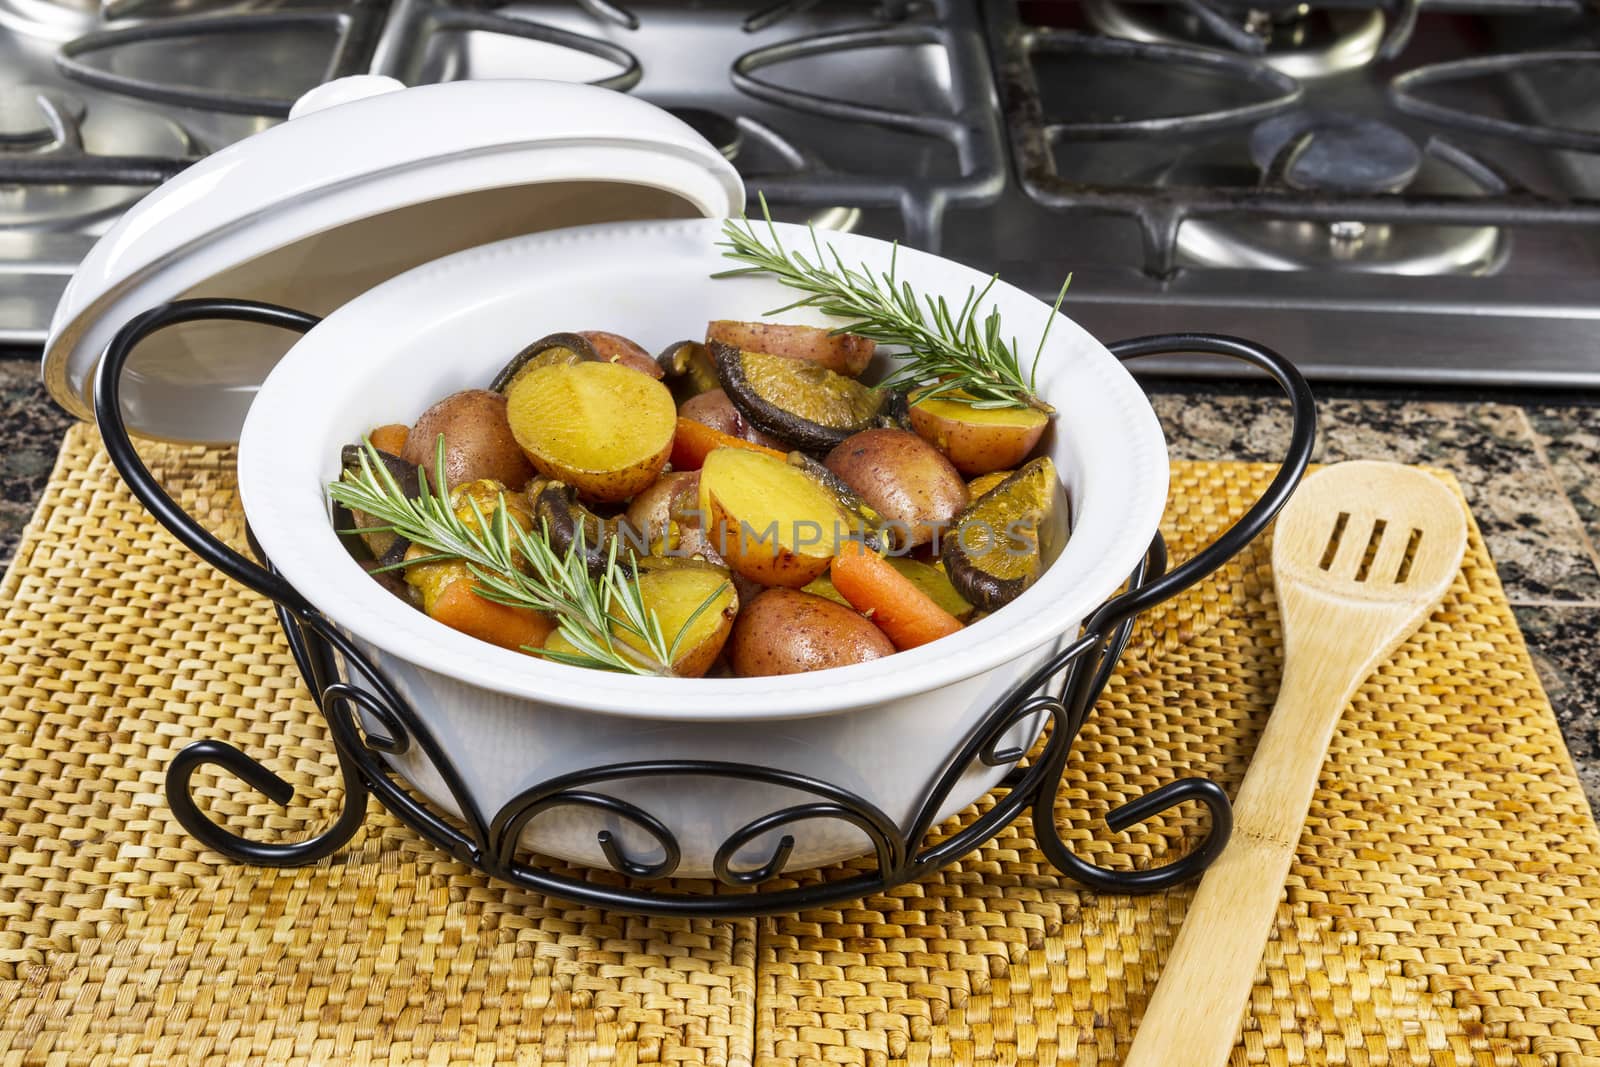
{"x":365,"y":181}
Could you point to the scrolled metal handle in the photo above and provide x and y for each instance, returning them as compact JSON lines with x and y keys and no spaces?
{"x":1232,"y":541}
{"x":108,"y":414}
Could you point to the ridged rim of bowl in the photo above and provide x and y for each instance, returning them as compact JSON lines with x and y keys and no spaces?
{"x":284,"y":504}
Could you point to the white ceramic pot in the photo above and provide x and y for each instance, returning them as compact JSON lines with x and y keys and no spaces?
{"x":883,"y":730}
{"x":346,"y":210}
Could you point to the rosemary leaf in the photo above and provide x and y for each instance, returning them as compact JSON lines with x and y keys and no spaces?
{"x":947,"y":354}
{"x":558,"y":584}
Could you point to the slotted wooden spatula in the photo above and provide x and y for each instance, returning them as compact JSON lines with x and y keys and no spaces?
{"x":1361,"y":557}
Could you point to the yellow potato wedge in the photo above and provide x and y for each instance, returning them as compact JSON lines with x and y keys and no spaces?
{"x":602,"y":428}
{"x":978,"y":440}
{"x":772,"y":522}
{"x":674,"y":589}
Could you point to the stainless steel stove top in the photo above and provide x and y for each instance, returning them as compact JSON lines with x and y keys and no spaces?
{"x":1409,"y":192}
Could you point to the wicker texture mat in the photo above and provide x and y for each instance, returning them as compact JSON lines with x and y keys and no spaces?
{"x":1443,"y":908}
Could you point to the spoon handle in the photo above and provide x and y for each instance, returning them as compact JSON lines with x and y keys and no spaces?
{"x":1193,"y":1016}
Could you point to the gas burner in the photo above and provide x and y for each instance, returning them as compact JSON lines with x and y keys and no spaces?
{"x":1299,"y":41}
{"x":1286,"y":150}
{"x":758,"y":150}
{"x":25,"y":121}
{"x":50,"y":20}
{"x":1333,"y":152}
{"x":763,"y":152}
{"x":721,"y":131}
{"x":70,"y":132}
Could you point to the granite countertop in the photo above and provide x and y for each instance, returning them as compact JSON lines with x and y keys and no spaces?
{"x":1530,"y":466}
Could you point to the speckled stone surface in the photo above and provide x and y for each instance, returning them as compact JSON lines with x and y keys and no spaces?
{"x":1570,"y":440}
{"x":1539,"y":545}
{"x":30,"y":430}
{"x":1531,"y":473}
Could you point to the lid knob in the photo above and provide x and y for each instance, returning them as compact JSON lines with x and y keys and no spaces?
{"x":343,"y":91}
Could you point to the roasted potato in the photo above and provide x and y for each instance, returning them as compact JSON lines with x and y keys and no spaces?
{"x":615,"y":348}
{"x":770,"y":521}
{"x":478,"y":442}
{"x":715,"y":410}
{"x":601,"y":428}
{"x":785,"y":631}
{"x":904,"y":479}
{"x":978,"y":440}
{"x":843,"y":353}
{"x":675,"y":589}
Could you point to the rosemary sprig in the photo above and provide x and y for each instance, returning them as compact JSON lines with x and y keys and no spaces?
{"x":520,"y":568}
{"x":949,"y":351}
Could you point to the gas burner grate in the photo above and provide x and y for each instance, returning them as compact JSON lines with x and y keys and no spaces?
{"x":1403,"y":93}
{"x":765,"y":18}
{"x":1250,"y":29}
{"x":1159,"y":210}
{"x":380,"y":36}
{"x":58,"y":157}
{"x":358,"y":32}
{"x":970,"y":127}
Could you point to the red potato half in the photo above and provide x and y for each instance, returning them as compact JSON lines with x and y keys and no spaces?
{"x":478,"y":442}
{"x":675,"y":594}
{"x":785,"y":631}
{"x":904,"y":479}
{"x":601,"y":428}
{"x":615,"y":348}
{"x":844,"y":353}
{"x":772,"y":523}
{"x":675,"y":591}
{"x":978,"y":440}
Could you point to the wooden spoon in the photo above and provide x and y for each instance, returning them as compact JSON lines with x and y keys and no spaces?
{"x":1361,"y":557}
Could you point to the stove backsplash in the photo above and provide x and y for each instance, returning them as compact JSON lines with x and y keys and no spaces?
{"x":1391,"y":192}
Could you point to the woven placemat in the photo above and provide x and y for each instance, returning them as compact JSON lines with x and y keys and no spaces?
{"x":1442,"y":909}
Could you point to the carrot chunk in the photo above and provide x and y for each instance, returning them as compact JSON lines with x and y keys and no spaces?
{"x":694,"y":441}
{"x":459,"y":608}
{"x":873,"y":587}
{"x":390,"y":438}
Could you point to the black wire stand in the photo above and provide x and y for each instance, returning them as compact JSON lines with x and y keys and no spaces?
{"x":372,"y":721}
